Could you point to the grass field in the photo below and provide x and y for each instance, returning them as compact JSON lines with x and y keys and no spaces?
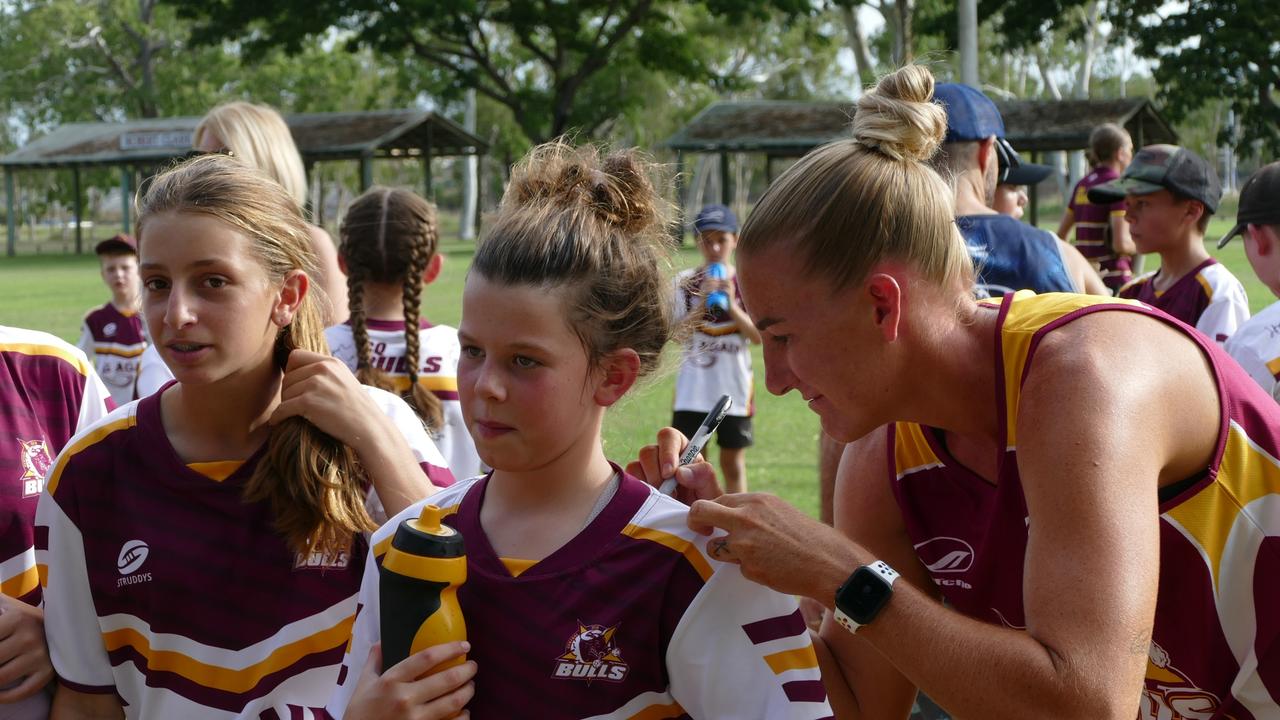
{"x":52,"y":292}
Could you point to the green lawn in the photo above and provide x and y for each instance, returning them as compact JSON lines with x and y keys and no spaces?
{"x":52,"y":292}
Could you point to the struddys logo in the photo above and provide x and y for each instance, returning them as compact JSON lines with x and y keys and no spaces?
{"x":132,"y":555}
{"x":592,"y":654}
{"x":1170,"y":695}
{"x":36,"y":462}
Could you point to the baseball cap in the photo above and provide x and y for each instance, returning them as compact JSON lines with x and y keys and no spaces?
{"x":1024,"y":173}
{"x":715,"y":217}
{"x":120,"y":243}
{"x":972,"y":116}
{"x":1164,"y":167}
{"x":1259,"y":201}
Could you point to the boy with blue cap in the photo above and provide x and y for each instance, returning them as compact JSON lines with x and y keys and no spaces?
{"x":717,"y":356}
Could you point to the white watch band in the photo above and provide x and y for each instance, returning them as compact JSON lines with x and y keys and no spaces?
{"x":889,"y":574}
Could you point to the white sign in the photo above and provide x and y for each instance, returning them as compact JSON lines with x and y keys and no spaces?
{"x":155,"y":139}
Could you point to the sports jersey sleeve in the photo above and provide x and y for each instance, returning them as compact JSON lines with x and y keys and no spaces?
{"x":743,"y":651}
{"x":76,"y":649}
{"x":152,"y":372}
{"x":1228,"y":309}
{"x":341,"y":345}
{"x":96,"y":401}
{"x":1253,"y":363}
{"x":85,"y":343}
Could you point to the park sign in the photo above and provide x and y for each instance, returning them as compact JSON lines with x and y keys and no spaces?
{"x":146,"y":140}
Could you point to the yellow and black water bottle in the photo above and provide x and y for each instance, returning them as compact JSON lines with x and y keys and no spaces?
{"x":418,"y":586}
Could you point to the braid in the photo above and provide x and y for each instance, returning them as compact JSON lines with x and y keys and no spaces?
{"x":423,"y":400}
{"x":366,"y":373}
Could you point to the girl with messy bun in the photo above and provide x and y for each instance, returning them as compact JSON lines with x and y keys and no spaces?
{"x":586,"y":595}
{"x":1044,"y":497}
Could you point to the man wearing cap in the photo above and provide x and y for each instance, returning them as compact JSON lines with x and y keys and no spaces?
{"x":1256,"y":344}
{"x":1169,"y":194}
{"x":112,"y":335}
{"x":1007,"y":254}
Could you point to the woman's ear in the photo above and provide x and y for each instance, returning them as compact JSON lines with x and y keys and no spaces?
{"x":292,"y":291}
{"x":620,"y":369}
{"x":886,"y":302}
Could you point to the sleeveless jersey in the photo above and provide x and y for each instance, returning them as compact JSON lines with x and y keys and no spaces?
{"x":1009,"y":255}
{"x":1215,"y":650}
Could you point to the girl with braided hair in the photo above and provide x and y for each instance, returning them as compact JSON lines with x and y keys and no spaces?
{"x":388,"y":250}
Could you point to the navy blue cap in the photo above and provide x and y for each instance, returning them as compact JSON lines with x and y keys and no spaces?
{"x":970,"y":114}
{"x":715,"y":217}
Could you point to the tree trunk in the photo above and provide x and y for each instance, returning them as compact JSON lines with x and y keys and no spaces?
{"x":967,"y":13}
{"x":862,"y":61}
{"x":467,"y":225}
{"x":906,"y":9}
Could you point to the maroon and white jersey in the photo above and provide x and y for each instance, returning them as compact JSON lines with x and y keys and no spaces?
{"x":48,"y":392}
{"x":717,"y":357}
{"x":1209,"y":299}
{"x":438,"y":352}
{"x":629,"y":619}
{"x":1215,"y":649}
{"x":164,"y":587}
{"x":1093,"y":224}
{"x":114,"y":341}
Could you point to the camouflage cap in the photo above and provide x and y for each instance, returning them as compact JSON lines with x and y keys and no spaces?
{"x":1164,"y":167}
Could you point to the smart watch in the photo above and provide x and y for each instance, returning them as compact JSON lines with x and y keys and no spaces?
{"x":864,"y":595}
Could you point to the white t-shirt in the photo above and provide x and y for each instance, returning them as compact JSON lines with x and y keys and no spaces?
{"x":717,"y":359}
{"x":1256,"y":346}
{"x":438,"y":353}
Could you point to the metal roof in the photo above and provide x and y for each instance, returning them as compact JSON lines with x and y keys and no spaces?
{"x":794,"y":128}
{"x":319,"y":136}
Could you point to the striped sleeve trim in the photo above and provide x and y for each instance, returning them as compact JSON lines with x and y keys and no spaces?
{"x":675,"y":542}
{"x":19,"y":575}
{"x":67,"y":354}
{"x":79,"y":445}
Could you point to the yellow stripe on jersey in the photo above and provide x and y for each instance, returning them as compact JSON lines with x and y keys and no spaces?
{"x":1120,"y":213}
{"x":801,"y":658}
{"x":80,"y":445}
{"x":1028,"y":313}
{"x":383,"y":545}
{"x":679,"y":544}
{"x":1274,"y":366}
{"x":434,"y":383}
{"x":1208,"y":291}
{"x":48,"y":350}
{"x":911,"y":451}
{"x":117,"y":351}
{"x":22,"y":583}
{"x":1247,"y":473}
{"x":659,"y":712}
{"x":231,"y":680}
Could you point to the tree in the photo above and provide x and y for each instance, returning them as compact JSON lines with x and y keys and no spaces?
{"x":557,"y":65}
{"x":1207,"y":51}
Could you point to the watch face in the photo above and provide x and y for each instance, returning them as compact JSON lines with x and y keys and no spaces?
{"x":863,"y":596}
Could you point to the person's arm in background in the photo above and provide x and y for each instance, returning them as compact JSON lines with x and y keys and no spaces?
{"x":1068,"y":222}
{"x":1081,"y":271}
{"x":1121,"y":242}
